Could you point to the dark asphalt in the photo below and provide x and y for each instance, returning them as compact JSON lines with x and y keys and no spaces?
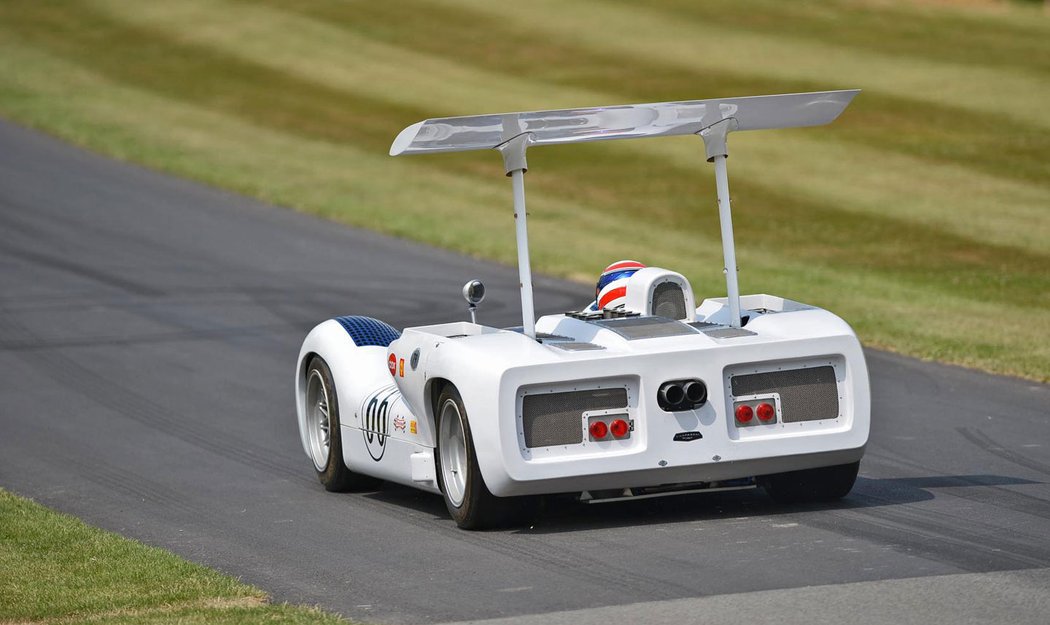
{"x":148,"y":333}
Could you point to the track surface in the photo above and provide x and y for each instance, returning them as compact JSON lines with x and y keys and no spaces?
{"x":148,"y":332}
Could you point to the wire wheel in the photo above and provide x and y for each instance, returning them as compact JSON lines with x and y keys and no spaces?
{"x":452,"y":444}
{"x":318,"y":419}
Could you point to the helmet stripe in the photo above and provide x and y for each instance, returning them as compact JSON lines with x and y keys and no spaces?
{"x":611,"y":295}
{"x":624,"y":264}
{"x":609,"y":278}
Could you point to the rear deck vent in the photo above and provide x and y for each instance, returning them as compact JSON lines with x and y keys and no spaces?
{"x":557,"y":418}
{"x":573,"y":346}
{"x":633,"y":328}
{"x":727,"y":333}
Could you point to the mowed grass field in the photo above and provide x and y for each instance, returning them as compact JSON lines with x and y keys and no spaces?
{"x":922,"y":215}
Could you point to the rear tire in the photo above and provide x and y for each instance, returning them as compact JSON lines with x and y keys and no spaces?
{"x":810,"y":485}
{"x":323,"y":433}
{"x":469,"y":502}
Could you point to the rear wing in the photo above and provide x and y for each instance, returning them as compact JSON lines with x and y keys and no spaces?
{"x":712,"y":120}
{"x":482,"y":132}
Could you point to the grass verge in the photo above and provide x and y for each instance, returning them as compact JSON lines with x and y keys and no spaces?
{"x":922,"y":216}
{"x":55,"y":569}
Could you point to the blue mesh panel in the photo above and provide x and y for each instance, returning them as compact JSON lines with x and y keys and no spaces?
{"x":368,"y":331}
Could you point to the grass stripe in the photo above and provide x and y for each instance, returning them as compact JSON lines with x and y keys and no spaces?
{"x":323,"y":51}
{"x":979,"y":39}
{"x":933,"y":131}
{"x":641,"y":33}
{"x":154,"y":60}
{"x":950,"y":198}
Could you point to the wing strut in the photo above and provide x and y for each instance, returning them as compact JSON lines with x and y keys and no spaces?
{"x":715,"y":144}
{"x":513,"y":152}
{"x":513,"y":133}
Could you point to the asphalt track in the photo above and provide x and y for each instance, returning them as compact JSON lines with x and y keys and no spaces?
{"x":148,"y":330}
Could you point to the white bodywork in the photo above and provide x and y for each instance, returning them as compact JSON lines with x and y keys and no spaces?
{"x":493,"y":369}
{"x":387,"y":387}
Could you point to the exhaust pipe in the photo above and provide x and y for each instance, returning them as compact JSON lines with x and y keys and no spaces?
{"x":677,"y":395}
{"x":670,"y":396}
{"x":695,"y":392}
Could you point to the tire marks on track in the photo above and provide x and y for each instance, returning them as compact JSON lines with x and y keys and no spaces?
{"x":135,"y":407}
{"x":137,"y":487}
{"x":961,"y":541}
{"x":535,"y":551}
{"x":175,"y":336}
{"x":987,"y":490}
{"x":946,"y":538}
{"x":986,"y":443}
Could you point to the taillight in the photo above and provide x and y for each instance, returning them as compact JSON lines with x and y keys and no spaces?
{"x":598,"y":430}
{"x":744,"y":413}
{"x":619,"y":428}
{"x":765,"y":412}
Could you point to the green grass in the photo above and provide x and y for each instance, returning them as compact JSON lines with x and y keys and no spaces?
{"x":922,"y":216}
{"x":56,"y":569}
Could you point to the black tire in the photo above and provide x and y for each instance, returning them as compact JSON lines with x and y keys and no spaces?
{"x":334,"y":476}
{"x":471,"y":504}
{"x":811,"y":485}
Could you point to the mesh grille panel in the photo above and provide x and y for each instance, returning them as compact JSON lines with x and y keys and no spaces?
{"x":633,"y":328}
{"x":557,"y":418}
{"x":805,"y":394}
{"x":669,"y":301}
{"x":727,"y":333}
{"x":367,"y":331}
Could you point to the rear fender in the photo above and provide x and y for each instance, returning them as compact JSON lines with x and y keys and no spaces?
{"x":356,"y":371}
{"x":379,"y":432}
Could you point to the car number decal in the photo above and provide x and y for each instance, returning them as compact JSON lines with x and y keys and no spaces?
{"x":376,"y":425}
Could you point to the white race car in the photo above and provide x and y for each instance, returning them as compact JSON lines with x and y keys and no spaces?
{"x":656,"y":396}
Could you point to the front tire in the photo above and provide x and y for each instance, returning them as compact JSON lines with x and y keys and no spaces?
{"x":811,"y":485}
{"x":469,"y":502}
{"x":323,"y":434}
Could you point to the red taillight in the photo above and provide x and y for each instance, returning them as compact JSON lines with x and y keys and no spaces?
{"x":619,"y":428}
{"x":744,"y":413}
{"x":598,"y":429}
{"x":765,"y":412}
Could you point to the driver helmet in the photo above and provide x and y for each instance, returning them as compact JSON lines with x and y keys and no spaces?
{"x":611,"y":290}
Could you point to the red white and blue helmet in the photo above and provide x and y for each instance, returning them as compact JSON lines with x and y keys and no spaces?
{"x":611,"y":290}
